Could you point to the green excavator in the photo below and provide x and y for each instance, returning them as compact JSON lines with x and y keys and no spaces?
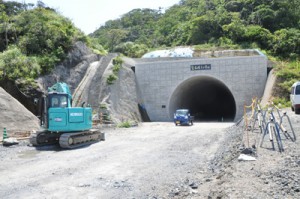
{"x":61,"y":123}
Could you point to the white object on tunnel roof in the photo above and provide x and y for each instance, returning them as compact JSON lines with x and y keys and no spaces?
{"x":176,"y":52}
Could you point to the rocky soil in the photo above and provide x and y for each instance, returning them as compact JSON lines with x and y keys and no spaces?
{"x":121,"y":98}
{"x":14,"y":116}
{"x":157,"y":160}
{"x":72,"y":70}
{"x":153,"y":160}
{"x":86,"y":74}
{"x":272,"y":175}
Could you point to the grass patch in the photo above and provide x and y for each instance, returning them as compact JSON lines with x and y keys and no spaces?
{"x":111,"y":78}
{"x":282,"y":102}
{"x":287,"y":72}
{"x":117,"y":62}
{"x":126,"y":124}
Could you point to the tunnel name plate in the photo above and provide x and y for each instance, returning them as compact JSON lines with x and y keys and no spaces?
{"x":201,"y":67}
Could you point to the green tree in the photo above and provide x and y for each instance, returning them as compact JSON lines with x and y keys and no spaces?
{"x":138,"y":25}
{"x":48,"y":36}
{"x":287,"y":42}
{"x":264,"y":16}
{"x":131,"y":49}
{"x":235,"y":30}
{"x":12,"y":8}
{"x":245,"y":23}
{"x":115,"y":37}
{"x":15,"y":65}
{"x":4,"y":20}
{"x":259,"y":35}
{"x":8,"y":10}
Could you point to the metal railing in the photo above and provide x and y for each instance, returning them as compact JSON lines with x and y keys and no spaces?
{"x":269,"y":120}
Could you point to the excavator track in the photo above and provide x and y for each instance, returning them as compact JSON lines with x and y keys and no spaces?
{"x":66,"y":140}
{"x":79,"y":139}
{"x":44,"y":137}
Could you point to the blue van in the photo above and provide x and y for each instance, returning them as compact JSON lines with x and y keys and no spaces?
{"x":183,"y":116}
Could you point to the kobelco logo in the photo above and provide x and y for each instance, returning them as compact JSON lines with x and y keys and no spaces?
{"x":76,"y":114}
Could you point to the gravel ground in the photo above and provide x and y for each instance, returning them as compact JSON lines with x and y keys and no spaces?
{"x":156,"y":160}
{"x":272,"y":175}
{"x":153,"y":160}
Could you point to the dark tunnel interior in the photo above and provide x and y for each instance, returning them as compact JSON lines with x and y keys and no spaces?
{"x":207,"y":98}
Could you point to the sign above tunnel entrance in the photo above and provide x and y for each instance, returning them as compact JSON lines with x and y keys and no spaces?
{"x":201,"y":67}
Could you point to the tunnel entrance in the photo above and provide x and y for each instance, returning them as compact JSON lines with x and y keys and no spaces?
{"x":207,"y":98}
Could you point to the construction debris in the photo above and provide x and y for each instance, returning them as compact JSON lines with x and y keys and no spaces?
{"x":10,"y":141}
{"x":244,"y":157}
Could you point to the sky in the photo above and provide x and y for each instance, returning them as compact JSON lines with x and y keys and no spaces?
{"x":89,"y":15}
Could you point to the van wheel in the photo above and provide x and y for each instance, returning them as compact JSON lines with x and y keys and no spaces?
{"x":297,"y":111}
{"x":292,"y":108}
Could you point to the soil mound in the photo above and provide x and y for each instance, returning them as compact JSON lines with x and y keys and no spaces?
{"x":14,"y":116}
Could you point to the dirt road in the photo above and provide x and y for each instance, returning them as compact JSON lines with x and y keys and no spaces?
{"x":154,"y":160}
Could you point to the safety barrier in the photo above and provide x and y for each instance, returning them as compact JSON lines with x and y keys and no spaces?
{"x":269,"y":120}
{"x":249,"y":119}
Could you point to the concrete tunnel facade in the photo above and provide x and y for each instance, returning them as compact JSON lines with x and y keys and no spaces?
{"x":214,"y":89}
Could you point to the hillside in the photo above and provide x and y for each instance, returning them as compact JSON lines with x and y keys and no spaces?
{"x":33,"y":40}
{"x":33,"y":50}
{"x":29,"y":50}
{"x":270,"y":25}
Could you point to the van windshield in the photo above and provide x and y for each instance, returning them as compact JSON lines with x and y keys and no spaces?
{"x":297,"y":91}
{"x":182,"y":112}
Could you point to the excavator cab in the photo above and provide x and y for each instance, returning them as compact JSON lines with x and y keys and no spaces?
{"x":58,"y":100}
{"x":64,"y":118}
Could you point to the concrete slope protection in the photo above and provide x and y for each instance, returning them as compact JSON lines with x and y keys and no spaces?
{"x":267,"y":96}
{"x":88,"y":90}
{"x":85,"y":83}
{"x":120,"y":98}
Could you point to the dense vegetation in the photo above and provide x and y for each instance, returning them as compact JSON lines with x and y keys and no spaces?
{"x":270,"y":25}
{"x":33,"y":40}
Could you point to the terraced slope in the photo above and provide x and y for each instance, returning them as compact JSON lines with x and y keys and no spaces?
{"x":89,"y":88}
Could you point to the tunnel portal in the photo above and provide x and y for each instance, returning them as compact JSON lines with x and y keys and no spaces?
{"x":212,"y":87}
{"x":207,"y":98}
